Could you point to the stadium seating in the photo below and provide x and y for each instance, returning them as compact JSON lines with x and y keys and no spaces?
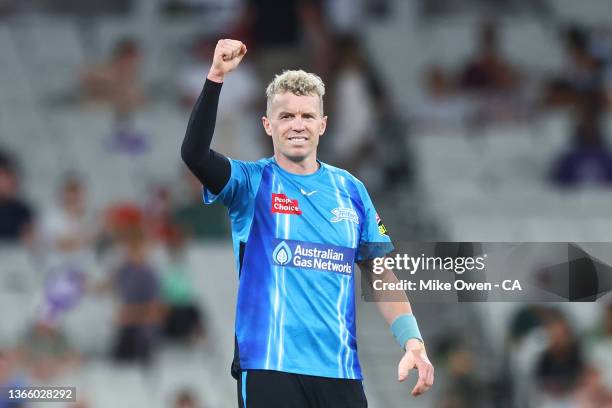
{"x":486,"y":185}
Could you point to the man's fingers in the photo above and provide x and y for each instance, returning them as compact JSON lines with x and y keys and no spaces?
{"x":421,"y":385}
{"x":430,"y":376}
{"x":426,"y":373}
{"x":402,"y":372}
{"x":425,"y":380}
{"x":230,"y":54}
{"x":227,"y":55}
{"x":239,"y":47}
{"x":232,"y":43}
{"x":420,"y":388}
{"x":404,"y":367}
{"x":230,"y":49}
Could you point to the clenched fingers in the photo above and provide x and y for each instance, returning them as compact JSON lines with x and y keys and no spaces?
{"x":231,"y":49}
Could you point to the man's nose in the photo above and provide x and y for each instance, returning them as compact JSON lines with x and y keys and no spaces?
{"x":298,"y":124}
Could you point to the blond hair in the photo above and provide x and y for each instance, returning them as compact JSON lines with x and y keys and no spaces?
{"x":297,"y":82}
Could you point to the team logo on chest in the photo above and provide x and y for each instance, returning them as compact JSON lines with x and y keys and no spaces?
{"x":344,"y":214}
{"x":281,"y":204}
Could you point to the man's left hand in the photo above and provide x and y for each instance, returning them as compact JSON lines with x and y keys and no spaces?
{"x":416,"y":357}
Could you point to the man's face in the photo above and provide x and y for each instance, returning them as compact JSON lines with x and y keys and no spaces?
{"x":8,"y":184}
{"x":73,"y":195}
{"x":295,"y":124}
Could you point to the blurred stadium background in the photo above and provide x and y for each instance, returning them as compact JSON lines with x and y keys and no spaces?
{"x":479,"y":120}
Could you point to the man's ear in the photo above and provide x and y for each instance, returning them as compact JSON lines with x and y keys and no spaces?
{"x":323,"y":126}
{"x":267,"y":126}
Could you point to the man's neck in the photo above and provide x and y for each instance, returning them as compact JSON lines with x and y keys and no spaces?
{"x":307,"y":166}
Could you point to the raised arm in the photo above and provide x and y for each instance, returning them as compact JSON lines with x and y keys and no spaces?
{"x":211,"y":168}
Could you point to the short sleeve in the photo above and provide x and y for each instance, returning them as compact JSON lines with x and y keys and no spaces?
{"x":374,"y":240}
{"x":240,"y":187}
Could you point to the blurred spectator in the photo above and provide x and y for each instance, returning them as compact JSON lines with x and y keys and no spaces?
{"x":353,"y":106}
{"x":281,"y":33}
{"x":120,"y":218}
{"x":526,"y":341}
{"x":602,"y":49}
{"x":366,"y":136}
{"x":442,"y":105}
{"x":196,"y":220}
{"x":558,"y":370}
{"x":64,"y":288}
{"x":592,"y":393}
{"x":136,"y":285}
{"x":589,"y":160}
{"x":600,"y":348}
{"x":185,"y":399}
{"x":464,"y":388}
{"x":601,"y":43}
{"x":493,"y":84}
{"x":157,"y":214}
{"x":237,"y":104}
{"x":116,"y":217}
{"x":183,"y":319}
{"x":583,"y":74}
{"x":9,"y":378}
{"x":16,"y":215}
{"x":46,"y":351}
{"x":68,"y":230}
{"x":525,"y":320}
{"x":67,"y":236}
{"x":117,"y":84}
{"x":488,"y":71}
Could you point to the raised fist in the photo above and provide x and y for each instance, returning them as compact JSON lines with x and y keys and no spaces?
{"x":228,"y":54}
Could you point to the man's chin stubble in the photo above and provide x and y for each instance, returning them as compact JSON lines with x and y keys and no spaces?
{"x":295,"y":158}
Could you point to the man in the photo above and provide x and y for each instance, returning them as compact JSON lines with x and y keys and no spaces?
{"x":15,"y":214}
{"x":298,"y":227}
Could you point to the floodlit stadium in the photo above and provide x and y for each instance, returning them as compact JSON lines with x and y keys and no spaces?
{"x":481,"y":122}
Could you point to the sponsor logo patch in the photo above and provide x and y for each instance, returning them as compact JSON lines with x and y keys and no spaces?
{"x":281,"y":204}
{"x":382,"y":230}
{"x":308,"y":255}
{"x":344,"y":214}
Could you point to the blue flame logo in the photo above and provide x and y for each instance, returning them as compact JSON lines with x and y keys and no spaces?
{"x":282,"y":254}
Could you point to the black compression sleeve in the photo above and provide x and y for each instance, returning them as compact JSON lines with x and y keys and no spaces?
{"x":211,"y":168}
